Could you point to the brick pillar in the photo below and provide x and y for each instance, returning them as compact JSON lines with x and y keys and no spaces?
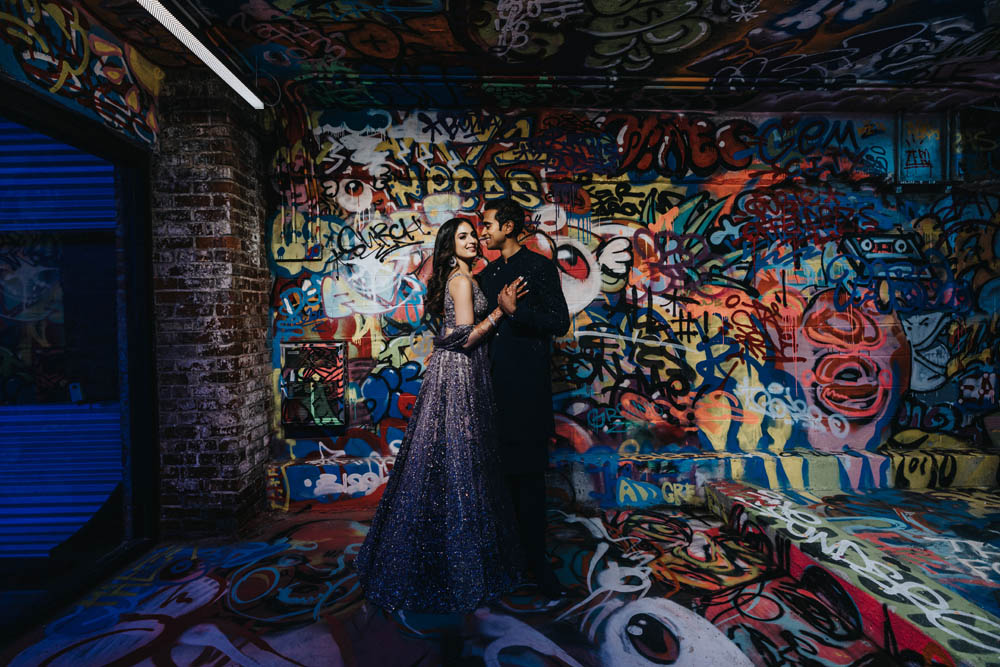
{"x":211,"y":296}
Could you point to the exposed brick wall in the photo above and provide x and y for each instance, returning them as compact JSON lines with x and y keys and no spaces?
{"x":211,"y":285}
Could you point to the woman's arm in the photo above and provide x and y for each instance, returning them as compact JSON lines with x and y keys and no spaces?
{"x":461,"y":295}
{"x":465,"y":314}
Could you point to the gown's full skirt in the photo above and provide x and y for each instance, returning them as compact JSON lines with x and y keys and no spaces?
{"x":443,"y":537}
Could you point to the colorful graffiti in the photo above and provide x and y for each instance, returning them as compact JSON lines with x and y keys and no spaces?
{"x":312,"y":387}
{"x":755,"y":54}
{"x":959,"y":529}
{"x":133,"y":23}
{"x":243,"y":601}
{"x":62,"y":50}
{"x":913,"y":565}
{"x":743,"y":288}
{"x":352,"y":482}
{"x":646,"y":588}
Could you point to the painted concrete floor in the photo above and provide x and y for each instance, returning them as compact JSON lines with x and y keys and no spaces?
{"x":951,"y":535}
{"x":649,"y":587}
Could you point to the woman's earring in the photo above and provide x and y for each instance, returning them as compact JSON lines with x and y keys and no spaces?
{"x":453,"y":262}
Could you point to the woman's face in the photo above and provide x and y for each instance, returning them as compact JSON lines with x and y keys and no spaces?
{"x":466,"y":243}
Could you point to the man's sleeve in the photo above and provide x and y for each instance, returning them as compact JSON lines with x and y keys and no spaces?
{"x":549,"y":314}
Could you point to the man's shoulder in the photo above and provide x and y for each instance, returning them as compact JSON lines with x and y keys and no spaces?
{"x":536,"y":258}
{"x":490,"y":269}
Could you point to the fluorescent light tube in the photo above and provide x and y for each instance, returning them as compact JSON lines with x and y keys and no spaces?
{"x":178,"y":30}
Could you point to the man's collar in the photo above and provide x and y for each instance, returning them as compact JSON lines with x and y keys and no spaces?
{"x":516,"y":253}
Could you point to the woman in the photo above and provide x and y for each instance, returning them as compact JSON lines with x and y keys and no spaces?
{"x":443,"y":536}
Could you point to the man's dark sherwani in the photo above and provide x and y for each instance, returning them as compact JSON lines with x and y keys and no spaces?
{"x":520,"y":353}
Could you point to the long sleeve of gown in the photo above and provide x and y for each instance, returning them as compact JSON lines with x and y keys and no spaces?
{"x":547,"y":313}
{"x":464,"y":337}
{"x":455,"y":339}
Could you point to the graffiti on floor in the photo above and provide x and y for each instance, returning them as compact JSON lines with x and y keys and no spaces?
{"x":881,"y":559}
{"x":647,"y":587}
{"x":952,"y":536}
{"x":256,"y":603}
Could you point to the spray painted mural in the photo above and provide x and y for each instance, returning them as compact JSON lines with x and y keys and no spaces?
{"x":751,"y":54}
{"x":60,"y":49}
{"x":738,"y":284}
{"x":647,"y":588}
{"x":910,"y":566}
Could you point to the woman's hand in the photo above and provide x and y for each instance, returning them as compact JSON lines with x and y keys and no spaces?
{"x":511,"y":294}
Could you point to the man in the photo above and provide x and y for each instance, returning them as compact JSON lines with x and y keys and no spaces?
{"x":522,"y":383}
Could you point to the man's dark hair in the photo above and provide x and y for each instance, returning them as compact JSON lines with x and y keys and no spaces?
{"x":507,"y":211}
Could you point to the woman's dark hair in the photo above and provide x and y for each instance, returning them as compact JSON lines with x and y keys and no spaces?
{"x":441,"y":266}
{"x":507,"y":210}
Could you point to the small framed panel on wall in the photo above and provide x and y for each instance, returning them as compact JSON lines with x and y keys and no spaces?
{"x":922,"y":148}
{"x":312,"y":385}
{"x":977,"y":144}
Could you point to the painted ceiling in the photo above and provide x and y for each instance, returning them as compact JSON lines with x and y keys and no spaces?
{"x":848,"y":55}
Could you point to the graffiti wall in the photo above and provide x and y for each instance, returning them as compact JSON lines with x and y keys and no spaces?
{"x":59,"y":49}
{"x":978,"y":148}
{"x":738,"y":284}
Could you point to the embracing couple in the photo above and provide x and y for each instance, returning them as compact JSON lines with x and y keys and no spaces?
{"x":466,"y":497}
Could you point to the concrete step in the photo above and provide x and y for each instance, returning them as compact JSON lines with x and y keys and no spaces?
{"x":603,"y":478}
{"x":349,"y":482}
{"x":918,"y":567}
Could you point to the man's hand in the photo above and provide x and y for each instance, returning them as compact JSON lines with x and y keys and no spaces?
{"x":509,"y":295}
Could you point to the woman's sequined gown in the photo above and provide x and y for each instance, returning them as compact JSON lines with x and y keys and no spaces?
{"x":443,"y":537}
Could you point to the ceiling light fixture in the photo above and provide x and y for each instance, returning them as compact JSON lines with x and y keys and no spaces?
{"x":178,"y":30}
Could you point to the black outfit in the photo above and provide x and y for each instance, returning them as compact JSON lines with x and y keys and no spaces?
{"x":520,"y":360}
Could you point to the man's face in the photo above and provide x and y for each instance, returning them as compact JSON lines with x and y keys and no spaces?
{"x":491,"y":233}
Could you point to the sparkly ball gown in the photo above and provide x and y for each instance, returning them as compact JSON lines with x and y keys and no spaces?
{"x":443,"y":538}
